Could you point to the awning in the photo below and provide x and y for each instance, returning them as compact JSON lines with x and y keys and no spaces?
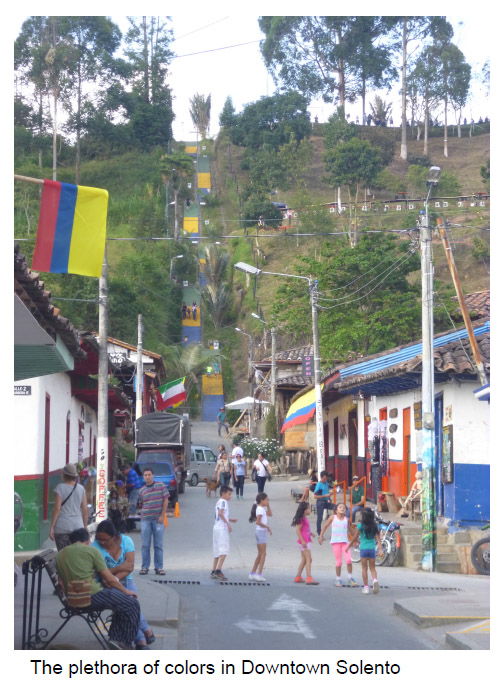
{"x":245,"y":403}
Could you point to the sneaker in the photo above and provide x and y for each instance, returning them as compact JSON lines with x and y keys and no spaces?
{"x":376,"y":587}
{"x":311,"y":581}
{"x":299,"y":579}
{"x":220,"y":576}
{"x":352,"y":582}
{"x":252,"y":576}
{"x":214,"y":575}
{"x":365,"y":589}
{"x":339,"y":582}
{"x":260,"y":578}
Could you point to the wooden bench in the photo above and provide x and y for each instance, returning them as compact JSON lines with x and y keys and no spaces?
{"x":34,"y":636}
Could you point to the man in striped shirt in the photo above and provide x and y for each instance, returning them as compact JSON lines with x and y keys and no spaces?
{"x":153,"y":498}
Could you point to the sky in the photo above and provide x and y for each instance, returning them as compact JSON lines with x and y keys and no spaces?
{"x":239,"y":72}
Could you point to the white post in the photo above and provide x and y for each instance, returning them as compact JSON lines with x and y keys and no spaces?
{"x":102,"y":437}
{"x":319,"y":419}
{"x":273,"y":372}
{"x":139,"y":372}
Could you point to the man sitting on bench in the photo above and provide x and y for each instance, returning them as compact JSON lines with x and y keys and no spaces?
{"x":79,"y":561}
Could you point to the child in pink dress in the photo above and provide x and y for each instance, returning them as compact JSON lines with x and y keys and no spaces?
{"x":302,"y":525}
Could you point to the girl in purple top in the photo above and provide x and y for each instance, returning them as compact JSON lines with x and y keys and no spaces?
{"x":304,"y":536}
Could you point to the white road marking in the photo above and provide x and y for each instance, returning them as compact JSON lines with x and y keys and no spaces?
{"x":296,"y":625}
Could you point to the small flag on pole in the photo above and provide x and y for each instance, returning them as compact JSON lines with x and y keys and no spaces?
{"x":171,"y":394}
{"x":71,"y":229}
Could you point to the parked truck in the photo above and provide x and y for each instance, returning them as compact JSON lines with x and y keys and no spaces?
{"x":163,"y":443}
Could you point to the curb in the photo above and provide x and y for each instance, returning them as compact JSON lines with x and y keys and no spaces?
{"x":472,"y":641}
{"x":424,"y":616}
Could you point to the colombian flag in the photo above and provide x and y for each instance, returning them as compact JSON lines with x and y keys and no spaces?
{"x":71,"y":229}
{"x":301,"y":410}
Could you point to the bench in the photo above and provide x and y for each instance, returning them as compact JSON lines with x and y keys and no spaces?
{"x":34,"y":636}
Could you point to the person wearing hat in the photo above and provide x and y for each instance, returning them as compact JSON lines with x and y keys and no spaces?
{"x":70,"y":507}
{"x":358,"y":498}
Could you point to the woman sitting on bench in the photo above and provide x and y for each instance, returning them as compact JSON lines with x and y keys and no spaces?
{"x":119,"y":553}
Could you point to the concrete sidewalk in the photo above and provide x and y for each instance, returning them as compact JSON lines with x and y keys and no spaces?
{"x":160,"y":605}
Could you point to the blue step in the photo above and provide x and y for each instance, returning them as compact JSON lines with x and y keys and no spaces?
{"x":210,"y":405}
{"x":193,"y":334}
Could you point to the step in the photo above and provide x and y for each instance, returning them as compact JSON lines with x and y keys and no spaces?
{"x":448,"y":567}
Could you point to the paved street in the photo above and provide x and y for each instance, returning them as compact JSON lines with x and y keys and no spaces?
{"x":237,"y":615}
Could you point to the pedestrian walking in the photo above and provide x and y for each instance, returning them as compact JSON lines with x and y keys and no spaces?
{"x":260,"y":513}
{"x":262,"y":472}
{"x":221,"y":421}
{"x":322,"y":495}
{"x":118,"y":551}
{"x":221,"y":531}
{"x":223,"y":469}
{"x":304,"y":537}
{"x":184,"y":311}
{"x":237,"y":450}
{"x":153,"y":499}
{"x":70,"y":510}
{"x":368,"y":535}
{"x":240,"y":471}
{"x":194,"y":310}
{"x":340,"y":537}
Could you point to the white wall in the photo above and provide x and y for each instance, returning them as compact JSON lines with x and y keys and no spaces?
{"x":340,"y":411}
{"x":29,"y":424}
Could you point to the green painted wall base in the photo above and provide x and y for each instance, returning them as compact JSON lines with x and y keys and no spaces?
{"x":35,"y":530}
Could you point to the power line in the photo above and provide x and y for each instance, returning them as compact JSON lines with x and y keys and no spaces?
{"x":199,"y":29}
{"x":215,"y":49}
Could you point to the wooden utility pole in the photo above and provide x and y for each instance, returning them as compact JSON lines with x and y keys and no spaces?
{"x":460,"y":296}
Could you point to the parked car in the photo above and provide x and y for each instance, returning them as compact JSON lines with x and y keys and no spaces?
{"x":202,"y":464}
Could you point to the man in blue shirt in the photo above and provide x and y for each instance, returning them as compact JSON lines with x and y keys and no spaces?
{"x":133,"y":485}
{"x":322,"y":495}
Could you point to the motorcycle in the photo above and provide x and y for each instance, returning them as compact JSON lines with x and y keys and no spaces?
{"x":480,"y":554}
{"x":390,"y":538}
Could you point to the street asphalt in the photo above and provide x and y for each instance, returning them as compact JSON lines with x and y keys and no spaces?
{"x":189,"y":610}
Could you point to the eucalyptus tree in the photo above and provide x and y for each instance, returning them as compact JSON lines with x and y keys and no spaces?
{"x":149,"y":105}
{"x":199,"y":110}
{"x":457,"y":80}
{"x":426,"y":77}
{"x":95,"y":40}
{"x":177,"y":170}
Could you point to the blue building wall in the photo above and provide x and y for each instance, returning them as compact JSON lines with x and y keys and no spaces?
{"x":467,"y":499}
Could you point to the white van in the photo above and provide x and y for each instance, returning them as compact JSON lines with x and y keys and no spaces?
{"x":202,"y":464}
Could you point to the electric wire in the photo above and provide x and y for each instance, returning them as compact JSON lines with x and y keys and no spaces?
{"x":215,"y":49}
{"x":337,"y":305}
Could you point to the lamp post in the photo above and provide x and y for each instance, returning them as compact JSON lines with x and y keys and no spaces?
{"x":428,"y":464}
{"x":313,"y":290}
{"x":181,"y":255}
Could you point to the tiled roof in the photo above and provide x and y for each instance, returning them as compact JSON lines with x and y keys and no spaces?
{"x":478,"y":304}
{"x":297,"y":380}
{"x":291,"y":355}
{"x":30,"y":289}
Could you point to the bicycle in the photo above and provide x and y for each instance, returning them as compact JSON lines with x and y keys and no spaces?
{"x":390,"y":537}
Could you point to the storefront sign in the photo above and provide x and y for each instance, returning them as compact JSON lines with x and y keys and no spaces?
{"x":417,"y":414}
{"x":22,"y":390}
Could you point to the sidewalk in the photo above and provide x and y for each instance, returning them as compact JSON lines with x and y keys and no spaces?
{"x":160,"y":605}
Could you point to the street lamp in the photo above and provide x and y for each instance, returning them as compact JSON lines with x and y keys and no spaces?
{"x":428,"y":470}
{"x":181,"y":255}
{"x":313,"y":290}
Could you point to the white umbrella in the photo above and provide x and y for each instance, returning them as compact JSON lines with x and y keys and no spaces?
{"x":245,"y":403}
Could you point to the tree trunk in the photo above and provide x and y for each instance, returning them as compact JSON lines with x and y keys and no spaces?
{"x":445,"y":149}
{"x":426,"y":130}
{"x":404,"y":132}
{"x":55,"y":138}
{"x":78,"y":138}
{"x":363,"y":101}
{"x":146,"y":60}
{"x":339,"y":199}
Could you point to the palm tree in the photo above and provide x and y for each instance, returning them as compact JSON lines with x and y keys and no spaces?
{"x":187,"y":361}
{"x":381,"y":109}
{"x":200,"y":113}
{"x":217,"y":300}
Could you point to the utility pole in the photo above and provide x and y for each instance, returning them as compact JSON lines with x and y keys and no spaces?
{"x":478,"y":361}
{"x":273,"y":373}
{"x":102,"y":436}
{"x":428,"y":470}
{"x":319,"y":423}
{"x":139,"y":372}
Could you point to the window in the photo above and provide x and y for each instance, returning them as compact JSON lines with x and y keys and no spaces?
{"x":199,"y":455}
{"x":210,"y":457}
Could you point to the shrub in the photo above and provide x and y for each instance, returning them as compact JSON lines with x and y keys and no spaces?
{"x":269,"y":447}
{"x":419,"y":160}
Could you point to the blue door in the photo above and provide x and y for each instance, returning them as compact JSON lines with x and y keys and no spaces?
{"x":438,"y":447}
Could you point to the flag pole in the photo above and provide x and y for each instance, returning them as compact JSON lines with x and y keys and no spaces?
{"x":102,"y":439}
{"x":25,"y":178}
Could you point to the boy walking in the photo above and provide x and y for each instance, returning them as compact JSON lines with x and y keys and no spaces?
{"x":221,"y":531}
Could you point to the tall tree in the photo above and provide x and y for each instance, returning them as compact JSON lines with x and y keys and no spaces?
{"x":456,"y":74}
{"x":426,"y":77}
{"x":227,"y":115}
{"x":148,"y":53}
{"x":44,"y":56}
{"x":313,"y":55}
{"x":199,"y":110}
{"x":354,"y":163}
{"x":95,"y":40}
